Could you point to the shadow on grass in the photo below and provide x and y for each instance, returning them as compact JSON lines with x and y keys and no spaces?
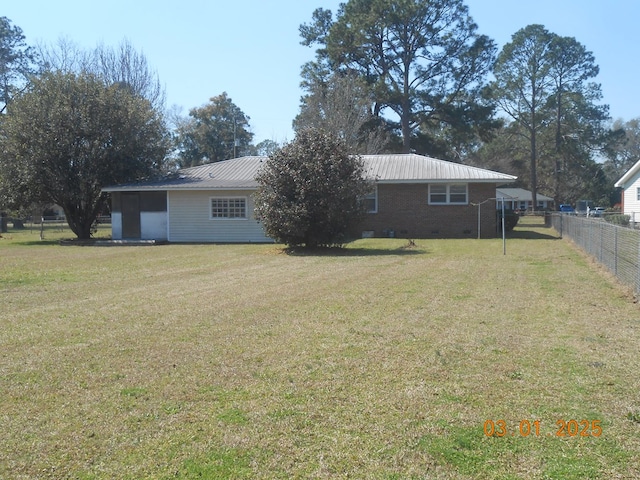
{"x":34,"y":243}
{"x":533,"y":235}
{"x":351,"y":252}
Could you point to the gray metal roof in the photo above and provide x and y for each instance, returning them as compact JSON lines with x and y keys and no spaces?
{"x":412,"y":168}
{"x":235,"y":174}
{"x":520,"y":194}
{"x":240,"y":173}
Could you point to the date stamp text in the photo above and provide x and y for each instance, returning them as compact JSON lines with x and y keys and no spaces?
{"x":563,"y":428}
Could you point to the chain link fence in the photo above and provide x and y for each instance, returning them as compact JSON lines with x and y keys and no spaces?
{"x":616,"y":247}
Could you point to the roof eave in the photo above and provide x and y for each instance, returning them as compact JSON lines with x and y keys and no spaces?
{"x":173,"y":189}
{"x":450,"y":180}
{"x":630,"y":173}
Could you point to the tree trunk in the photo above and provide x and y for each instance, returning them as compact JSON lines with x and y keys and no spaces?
{"x":405,"y":119}
{"x":78,"y":223}
{"x":534,"y":175}
{"x":406,"y":133}
{"x":559,"y":142}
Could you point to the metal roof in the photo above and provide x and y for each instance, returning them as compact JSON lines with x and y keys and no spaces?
{"x":520,"y":194}
{"x":234,"y":174}
{"x":412,"y":168}
{"x":240,"y":173}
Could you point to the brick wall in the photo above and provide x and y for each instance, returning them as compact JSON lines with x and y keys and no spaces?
{"x":404,"y":209}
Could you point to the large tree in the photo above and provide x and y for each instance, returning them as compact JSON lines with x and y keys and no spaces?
{"x":523,"y":86}
{"x":266,"y":148}
{"x":341,"y":105}
{"x":509,"y":152}
{"x":216,"y":131}
{"x":125,"y":65}
{"x":71,"y":134}
{"x":543,"y":84}
{"x":113,"y":65}
{"x":17,"y":61}
{"x":424,"y":61}
{"x":311,"y":191}
{"x":624,"y":150}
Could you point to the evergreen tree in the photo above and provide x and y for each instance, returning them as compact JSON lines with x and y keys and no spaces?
{"x":216,"y":131}
{"x":543,"y":84}
{"x":423,"y":60}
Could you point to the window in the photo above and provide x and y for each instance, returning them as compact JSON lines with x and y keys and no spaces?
{"x":371,"y":201}
{"x":442,"y":194}
{"x":437,"y":193}
{"x":457,"y":194}
{"x":638,"y":193}
{"x":232,"y":207}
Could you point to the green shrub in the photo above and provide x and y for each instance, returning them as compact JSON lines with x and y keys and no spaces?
{"x":618,"y":219}
{"x":510,"y":219}
{"x":311,"y":191}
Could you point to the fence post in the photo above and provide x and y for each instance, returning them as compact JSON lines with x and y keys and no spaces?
{"x":615,"y":251}
{"x":561,"y":220}
{"x":638,"y":269}
{"x":601,"y":256}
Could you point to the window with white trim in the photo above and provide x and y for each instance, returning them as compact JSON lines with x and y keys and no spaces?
{"x":448,"y":194}
{"x":371,"y":201}
{"x":228,"y":207}
{"x":638,"y":193}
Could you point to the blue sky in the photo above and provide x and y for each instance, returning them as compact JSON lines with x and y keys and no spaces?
{"x":251,"y":48}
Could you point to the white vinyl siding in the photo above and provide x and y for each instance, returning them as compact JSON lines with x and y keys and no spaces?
{"x":190,"y":219}
{"x":631,"y":195}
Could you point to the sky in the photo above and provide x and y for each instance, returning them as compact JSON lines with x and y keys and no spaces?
{"x":251,"y":48}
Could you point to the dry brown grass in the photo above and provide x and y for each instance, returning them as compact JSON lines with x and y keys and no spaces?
{"x":380,"y":362}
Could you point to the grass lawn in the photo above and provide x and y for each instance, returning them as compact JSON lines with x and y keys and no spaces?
{"x":379,"y":362}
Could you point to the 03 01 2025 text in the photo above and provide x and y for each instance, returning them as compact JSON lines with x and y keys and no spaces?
{"x":526,"y":428}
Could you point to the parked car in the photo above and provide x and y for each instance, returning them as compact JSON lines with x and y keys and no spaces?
{"x":596,"y":211}
{"x":566,"y":208}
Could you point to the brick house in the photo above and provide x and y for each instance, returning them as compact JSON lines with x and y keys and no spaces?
{"x":414,"y":197}
{"x":404,"y":211}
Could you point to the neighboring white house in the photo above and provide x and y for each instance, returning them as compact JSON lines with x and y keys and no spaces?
{"x":630,"y":184}
{"x":521,"y":199}
{"x":414,"y":197}
{"x":57,"y":211}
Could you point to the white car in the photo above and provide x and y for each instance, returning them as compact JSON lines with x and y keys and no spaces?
{"x":596,"y":212}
